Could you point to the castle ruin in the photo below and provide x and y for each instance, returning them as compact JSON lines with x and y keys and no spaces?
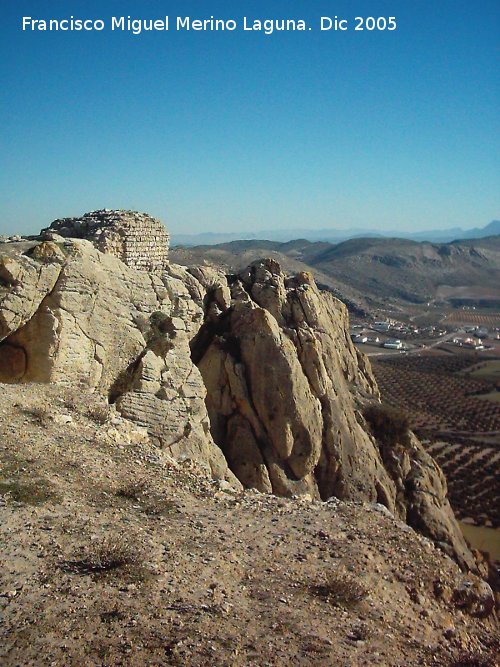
{"x":138,"y":239}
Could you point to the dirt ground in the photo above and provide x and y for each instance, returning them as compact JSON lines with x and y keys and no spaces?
{"x":113,"y":554}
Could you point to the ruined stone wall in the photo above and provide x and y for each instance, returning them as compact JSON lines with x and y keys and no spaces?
{"x":138,"y":239}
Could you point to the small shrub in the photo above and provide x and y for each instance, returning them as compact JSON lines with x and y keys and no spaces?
{"x":105,"y":554}
{"x":151,"y":503}
{"x":340,"y":589}
{"x":162,"y":323}
{"x":388,"y":425}
{"x":161,"y":332}
{"x":27,"y":492}
{"x":98,"y":414}
{"x":159,"y":506}
{"x":70,"y":404}
{"x":472,"y":660}
{"x":132,"y":489}
{"x":359,"y":633}
{"x":113,"y":615}
{"x":37,"y":413}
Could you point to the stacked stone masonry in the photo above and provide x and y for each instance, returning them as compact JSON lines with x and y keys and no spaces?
{"x":138,"y":239}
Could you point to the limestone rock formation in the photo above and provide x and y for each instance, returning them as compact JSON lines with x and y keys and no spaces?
{"x":285,"y":393}
{"x":76,"y":316}
{"x":254,"y":376}
{"x":138,"y":239}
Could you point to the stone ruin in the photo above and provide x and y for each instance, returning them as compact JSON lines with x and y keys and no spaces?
{"x":138,"y":239}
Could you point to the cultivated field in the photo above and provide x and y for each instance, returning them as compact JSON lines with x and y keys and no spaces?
{"x":439,"y":393}
{"x":452,"y":400}
{"x":473,"y":318}
{"x":472,"y":475}
{"x":486,"y":370}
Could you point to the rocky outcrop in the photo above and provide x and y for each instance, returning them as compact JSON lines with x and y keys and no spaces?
{"x":24,"y":282}
{"x":421,"y":497}
{"x":73,"y":315}
{"x":281,"y":373}
{"x":254,"y":376}
{"x":285,"y":395}
{"x":138,"y":239}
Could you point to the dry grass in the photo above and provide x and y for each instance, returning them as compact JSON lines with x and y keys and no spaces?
{"x":132,"y":488}
{"x":105,"y":554}
{"x":28,"y":492}
{"x":151,"y":501}
{"x":98,"y":414}
{"x":340,"y":589}
{"x":21,"y":483}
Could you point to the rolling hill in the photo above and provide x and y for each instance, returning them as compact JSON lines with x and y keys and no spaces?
{"x":333,"y":235}
{"x":371,"y":272}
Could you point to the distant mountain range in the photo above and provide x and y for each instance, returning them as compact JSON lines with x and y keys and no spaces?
{"x":369,"y":273}
{"x":335,"y":235}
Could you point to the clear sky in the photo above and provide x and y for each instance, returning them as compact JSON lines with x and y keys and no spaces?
{"x":242,"y":131}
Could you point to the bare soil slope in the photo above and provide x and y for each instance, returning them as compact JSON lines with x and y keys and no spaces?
{"x":113,"y":554}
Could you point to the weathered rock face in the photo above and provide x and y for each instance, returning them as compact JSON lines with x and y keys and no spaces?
{"x":138,"y":239}
{"x":80,"y":317}
{"x":280,"y":368}
{"x":274,"y":399}
{"x":285,"y":390}
{"x":421,"y":498}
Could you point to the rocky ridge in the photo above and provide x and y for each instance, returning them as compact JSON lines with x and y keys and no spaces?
{"x":286,"y":395}
{"x":369,"y":273}
{"x":75,"y":316}
{"x":253,"y":376}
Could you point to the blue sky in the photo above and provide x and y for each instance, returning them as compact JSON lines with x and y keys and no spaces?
{"x":242,"y":131}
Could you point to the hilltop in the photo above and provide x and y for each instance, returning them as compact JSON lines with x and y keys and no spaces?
{"x":188,"y":452}
{"x":333,"y":235}
{"x":366,"y":272}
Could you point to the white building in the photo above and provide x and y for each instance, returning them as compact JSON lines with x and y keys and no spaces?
{"x":393,"y":344}
{"x":381,"y":326}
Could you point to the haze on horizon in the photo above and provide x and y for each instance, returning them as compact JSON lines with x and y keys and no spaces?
{"x":242,"y":132}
